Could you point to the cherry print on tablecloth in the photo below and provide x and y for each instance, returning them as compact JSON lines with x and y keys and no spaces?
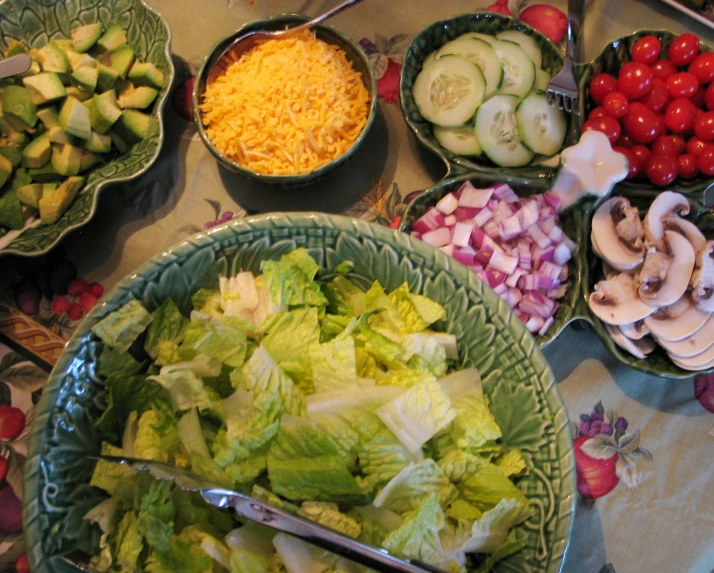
{"x":704,"y":391}
{"x":386,"y":55}
{"x":547,"y":19}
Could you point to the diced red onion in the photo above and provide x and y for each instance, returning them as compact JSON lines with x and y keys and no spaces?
{"x":552,"y":199}
{"x":447,"y":204}
{"x":438,"y":237}
{"x":464,"y":257}
{"x":450,"y":220}
{"x":483,"y":217}
{"x":472,"y":197}
{"x":561,"y":255}
{"x":503,"y":263}
{"x":462,"y":234}
{"x":512,"y":281}
{"x":448,"y":249}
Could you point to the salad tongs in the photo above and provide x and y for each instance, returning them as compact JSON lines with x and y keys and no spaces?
{"x":270,"y":516}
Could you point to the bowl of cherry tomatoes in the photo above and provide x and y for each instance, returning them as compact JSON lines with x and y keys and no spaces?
{"x":652,"y":94}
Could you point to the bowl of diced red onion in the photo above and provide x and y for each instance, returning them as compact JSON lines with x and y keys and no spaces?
{"x":511,"y":234}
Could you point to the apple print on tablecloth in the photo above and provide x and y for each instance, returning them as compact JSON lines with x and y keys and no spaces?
{"x":547,"y":19}
{"x":386,"y":55}
{"x":606,"y":452}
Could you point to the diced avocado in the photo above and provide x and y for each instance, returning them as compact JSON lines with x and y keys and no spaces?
{"x":74,"y":118}
{"x":17,"y":107}
{"x":63,"y":44}
{"x":5,"y":169}
{"x":78,"y":60}
{"x":104,"y":113}
{"x":54,"y":205}
{"x":98,"y":143}
{"x":48,"y":116}
{"x":87,"y":160}
{"x":66,"y":159}
{"x":37,"y":152}
{"x":44,"y":88}
{"x":11,"y":210}
{"x":57,"y":135}
{"x":45,"y":174}
{"x":85,"y":78}
{"x":79,"y":94}
{"x":30,"y":194}
{"x":132,"y":126}
{"x":106,"y":78}
{"x":146,"y":74}
{"x":119,"y":60}
{"x":118,"y":142}
{"x":14,"y":154}
{"x":85,"y":37}
{"x":138,"y":98}
{"x":112,"y":38}
{"x":52,"y":59}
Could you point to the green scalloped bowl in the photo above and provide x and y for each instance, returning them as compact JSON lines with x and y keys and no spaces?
{"x":436,"y":35}
{"x":328,"y":34}
{"x":520,"y":386}
{"x":572,"y":222}
{"x":35,"y":23}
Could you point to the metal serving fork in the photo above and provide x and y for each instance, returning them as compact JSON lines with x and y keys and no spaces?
{"x":562,"y":90}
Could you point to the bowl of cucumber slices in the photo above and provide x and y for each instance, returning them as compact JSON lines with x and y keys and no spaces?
{"x":472,"y":89}
{"x":86,"y":114}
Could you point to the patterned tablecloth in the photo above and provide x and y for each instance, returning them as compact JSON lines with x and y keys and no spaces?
{"x":655,"y":506}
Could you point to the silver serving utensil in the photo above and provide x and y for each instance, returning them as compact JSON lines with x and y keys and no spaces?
{"x":562,"y":90}
{"x":243,"y":43}
{"x":14,"y":65}
{"x":270,"y":516}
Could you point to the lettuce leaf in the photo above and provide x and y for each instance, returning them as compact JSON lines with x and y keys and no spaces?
{"x":334,"y":364}
{"x":155,"y":521}
{"x":290,"y":280}
{"x":167,"y":325}
{"x":411,"y":486}
{"x":328,"y":514}
{"x":418,"y":536}
{"x":123,"y":326}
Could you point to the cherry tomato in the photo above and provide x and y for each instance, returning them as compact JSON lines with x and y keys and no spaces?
{"x":682,"y":84}
{"x":660,"y":124}
{"x":643,"y":154}
{"x":680,"y":142}
{"x":687,"y":165}
{"x":646,"y":50}
{"x":698,"y":98}
{"x":705,"y":160}
{"x":626,"y":141}
{"x":709,"y":96}
{"x":695,"y":145}
{"x":616,"y":104}
{"x":598,"y":111}
{"x":600,"y":86}
{"x":12,"y":422}
{"x":635,"y":80}
{"x":683,"y":49}
{"x":680,"y":115}
{"x":606,"y":124}
{"x":633,"y":163}
{"x":703,"y":67}
{"x":662,"y":69}
{"x":662,"y":169}
{"x":663,"y":145}
{"x":704,"y":126}
{"x":657,"y":98}
{"x":640,"y":122}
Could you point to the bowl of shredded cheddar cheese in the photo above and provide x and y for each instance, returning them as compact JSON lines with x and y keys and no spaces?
{"x":290,"y":110}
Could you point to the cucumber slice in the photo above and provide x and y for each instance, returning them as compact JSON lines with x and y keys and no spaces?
{"x":490,"y":40}
{"x":497,"y":132}
{"x":527,"y":44}
{"x":448,"y":91}
{"x":541,"y":126}
{"x":459,"y":140}
{"x":518,"y":69}
{"x":480,"y":53}
{"x":541,"y":80}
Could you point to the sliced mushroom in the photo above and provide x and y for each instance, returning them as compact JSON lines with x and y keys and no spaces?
{"x":693,"y":344}
{"x":703,"y":279}
{"x":638,"y":348}
{"x":615,"y":301}
{"x":696,"y":362}
{"x":663,"y":207}
{"x":689,"y":230}
{"x":676,"y":321}
{"x":617,"y":234}
{"x":658,"y":291}
{"x":635,"y":330}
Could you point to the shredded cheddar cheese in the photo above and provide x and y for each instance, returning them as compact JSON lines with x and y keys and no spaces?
{"x":286,"y":107}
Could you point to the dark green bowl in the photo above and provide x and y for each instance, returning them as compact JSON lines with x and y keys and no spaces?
{"x":436,"y":35}
{"x":328,"y":34}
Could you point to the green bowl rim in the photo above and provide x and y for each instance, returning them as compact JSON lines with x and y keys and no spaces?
{"x":100,"y":185}
{"x":122,"y":290}
{"x":286,"y":180}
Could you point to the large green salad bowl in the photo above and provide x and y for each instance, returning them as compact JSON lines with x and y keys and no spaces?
{"x":519,"y":384}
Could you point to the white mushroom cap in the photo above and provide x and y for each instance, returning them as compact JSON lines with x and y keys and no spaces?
{"x":676,"y":321}
{"x":693,"y":344}
{"x":657,"y":292}
{"x":638,"y":348}
{"x":703,"y":279}
{"x":664,"y":206}
{"x":635,"y":330}
{"x":689,"y":230}
{"x":615,"y":301}
{"x":616,"y":235}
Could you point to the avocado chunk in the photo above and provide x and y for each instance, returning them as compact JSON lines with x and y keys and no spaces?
{"x":74,"y":118}
{"x":66,"y":159}
{"x":106,"y":77}
{"x":104,"y":112}
{"x":11,"y":210}
{"x":146,"y":74}
{"x":37,"y":152}
{"x":85,"y":37}
{"x":17,"y":107}
{"x":45,"y":174}
{"x":44,"y":88}
{"x":48,"y":116}
{"x":52,"y":59}
{"x":112,"y":38}
{"x":87,"y":160}
{"x":137,"y":98}
{"x":98,"y":143}
{"x":79,"y":94}
{"x":14,"y":154}
{"x":5,"y":169}
{"x":132,"y":126}
{"x":119,"y":60}
{"x":85,"y":78}
{"x":30,"y":194}
{"x":78,"y":60}
{"x":53,"y":206}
